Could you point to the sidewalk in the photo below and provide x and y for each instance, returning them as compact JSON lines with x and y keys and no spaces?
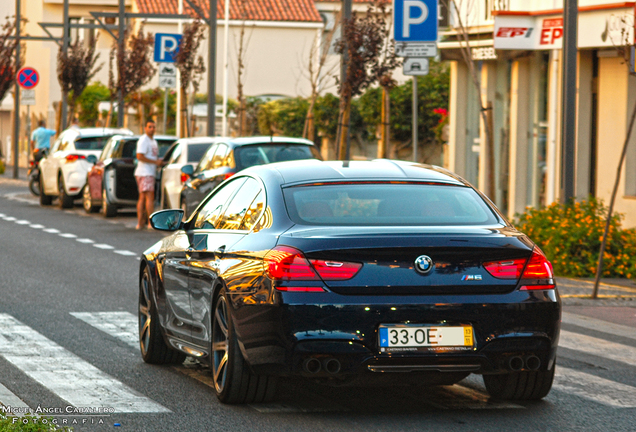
{"x":612,"y":292}
{"x":7,"y":176}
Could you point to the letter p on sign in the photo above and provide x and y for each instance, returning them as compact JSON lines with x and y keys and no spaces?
{"x":166,"y":47}
{"x":415,"y":20}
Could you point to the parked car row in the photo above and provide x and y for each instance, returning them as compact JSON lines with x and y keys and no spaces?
{"x":98,"y":164}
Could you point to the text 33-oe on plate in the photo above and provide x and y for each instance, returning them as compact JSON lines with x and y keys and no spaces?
{"x":402,"y":337}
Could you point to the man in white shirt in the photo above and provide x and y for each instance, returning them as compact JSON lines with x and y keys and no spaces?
{"x":145,"y":173}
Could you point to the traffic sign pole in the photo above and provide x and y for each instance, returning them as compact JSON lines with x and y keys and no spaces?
{"x":16,"y":94}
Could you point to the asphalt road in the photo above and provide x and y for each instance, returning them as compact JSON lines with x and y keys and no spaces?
{"x":68,"y":303}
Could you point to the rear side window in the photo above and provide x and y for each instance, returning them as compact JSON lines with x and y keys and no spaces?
{"x":196,"y":151}
{"x":93,"y":143}
{"x":381,"y":204}
{"x":251,"y":155}
{"x":129,"y":149}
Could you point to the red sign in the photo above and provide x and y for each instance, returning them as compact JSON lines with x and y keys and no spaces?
{"x":551,"y":31}
{"x":28,"y":78}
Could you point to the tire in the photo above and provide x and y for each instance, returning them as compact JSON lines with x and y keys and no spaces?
{"x":108,"y":210}
{"x":34,"y":186}
{"x":526,"y":385}
{"x":64,"y":199}
{"x":154,"y":349}
{"x":45,"y":200}
{"x":87,"y":201}
{"x":234,"y":383}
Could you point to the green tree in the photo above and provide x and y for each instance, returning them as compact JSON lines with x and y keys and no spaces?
{"x":89,"y":101}
{"x":283,"y":117}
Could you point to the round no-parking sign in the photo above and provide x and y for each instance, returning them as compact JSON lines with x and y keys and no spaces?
{"x":28,"y":78}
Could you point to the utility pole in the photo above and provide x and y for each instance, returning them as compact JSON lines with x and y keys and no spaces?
{"x":568,"y":135}
{"x":415,"y":118}
{"x":65,"y":38}
{"x":16,"y":93}
{"x":346,"y":16}
{"x":212,"y":69}
{"x":121,"y":21}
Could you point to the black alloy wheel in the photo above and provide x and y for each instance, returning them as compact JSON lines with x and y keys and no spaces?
{"x":87,"y":201}
{"x":34,"y":186}
{"x":154,"y":349}
{"x":65,"y":200}
{"x":234,"y":383}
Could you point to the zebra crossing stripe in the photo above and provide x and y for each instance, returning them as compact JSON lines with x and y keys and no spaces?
{"x":598,"y":325}
{"x":598,"y":347}
{"x":594,"y":388}
{"x":8,"y":399}
{"x":121,"y":325}
{"x":78,"y":382}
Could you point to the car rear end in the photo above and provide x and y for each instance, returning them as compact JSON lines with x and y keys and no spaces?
{"x":406,"y":276}
{"x":76,"y":164}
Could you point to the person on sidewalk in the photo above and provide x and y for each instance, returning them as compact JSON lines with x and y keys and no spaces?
{"x":145,"y":173}
{"x":41,"y":138}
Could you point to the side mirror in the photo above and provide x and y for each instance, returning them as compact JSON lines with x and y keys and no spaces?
{"x":188,"y":170}
{"x":167,"y":220}
{"x":91,"y":159}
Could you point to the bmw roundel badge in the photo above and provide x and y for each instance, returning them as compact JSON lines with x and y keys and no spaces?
{"x":423,"y":264}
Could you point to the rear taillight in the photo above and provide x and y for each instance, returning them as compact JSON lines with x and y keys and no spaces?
{"x":288,"y":264}
{"x":538,"y":274}
{"x":184,"y":178}
{"x":336,"y":270}
{"x":227,"y":176}
{"x":74,"y":157}
{"x":508,"y":269}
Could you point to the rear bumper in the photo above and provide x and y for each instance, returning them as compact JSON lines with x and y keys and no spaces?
{"x":516,"y":331}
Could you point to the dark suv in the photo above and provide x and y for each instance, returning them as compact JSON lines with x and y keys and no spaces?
{"x":228,"y":156}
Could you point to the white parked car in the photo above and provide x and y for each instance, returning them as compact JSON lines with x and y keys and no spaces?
{"x":186,"y":151}
{"x":63,"y":170}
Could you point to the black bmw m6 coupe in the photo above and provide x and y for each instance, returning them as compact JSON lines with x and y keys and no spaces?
{"x":343,"y":272}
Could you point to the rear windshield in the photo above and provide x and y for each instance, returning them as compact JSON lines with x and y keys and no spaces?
{"x":381,"y":204}
{"x":196,"y":151}
{"x":92,"y":143}
{"x":247,"y":156}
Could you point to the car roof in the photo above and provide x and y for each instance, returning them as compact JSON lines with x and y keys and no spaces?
{"x":156,"y":137}
{"x":197,"y":140}
{"x":99,"y":132}
{"x":312,"y":170}
{"x":264,"y":140}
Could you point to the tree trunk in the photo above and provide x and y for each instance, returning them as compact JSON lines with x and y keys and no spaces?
{"x":183,"y":115}
{"x":242,"y":117}
{"x":58,"y":118}
{"x":383,"y":144}
{"x":309,"y":129}
{"x":343,"y":127}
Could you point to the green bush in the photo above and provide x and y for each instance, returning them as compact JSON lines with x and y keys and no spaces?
{"x":89,"y":100}
{"x":570,"y":235}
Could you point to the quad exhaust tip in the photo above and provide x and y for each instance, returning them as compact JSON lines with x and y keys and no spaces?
{"x":517,"y":363}
{"x":312,"y":365}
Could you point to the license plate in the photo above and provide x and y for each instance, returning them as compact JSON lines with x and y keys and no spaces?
{"x":425,"y":337}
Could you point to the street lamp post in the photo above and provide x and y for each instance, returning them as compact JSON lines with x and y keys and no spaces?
{"x":568,"y":135}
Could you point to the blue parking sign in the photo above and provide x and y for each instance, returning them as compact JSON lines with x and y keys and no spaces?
{"x":166,"y":47}
{"x":415,"y":20}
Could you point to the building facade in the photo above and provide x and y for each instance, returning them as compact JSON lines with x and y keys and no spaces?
{"x":515,"y":50}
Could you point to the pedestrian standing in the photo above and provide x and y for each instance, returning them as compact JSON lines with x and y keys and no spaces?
{"x":41,"y":138}
{"x":145,"y":173}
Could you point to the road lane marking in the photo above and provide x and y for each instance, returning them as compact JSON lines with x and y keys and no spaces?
{"x":103,"y":246}
{"x":121,"y":325}
{"x":598,"y":347}
{"x":68,"y":235}
{"x":36,"y":226}
{"x":9,"y":218}
{"x":9,"y":400}
{"x":85,"y":240}
{"x":65,"y":374}
{"x":52,"y":231}
{"x":598,"y":325}
{"x":23,"y":222}
{"x":126,"y":252}
{"x":594,"y":388}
